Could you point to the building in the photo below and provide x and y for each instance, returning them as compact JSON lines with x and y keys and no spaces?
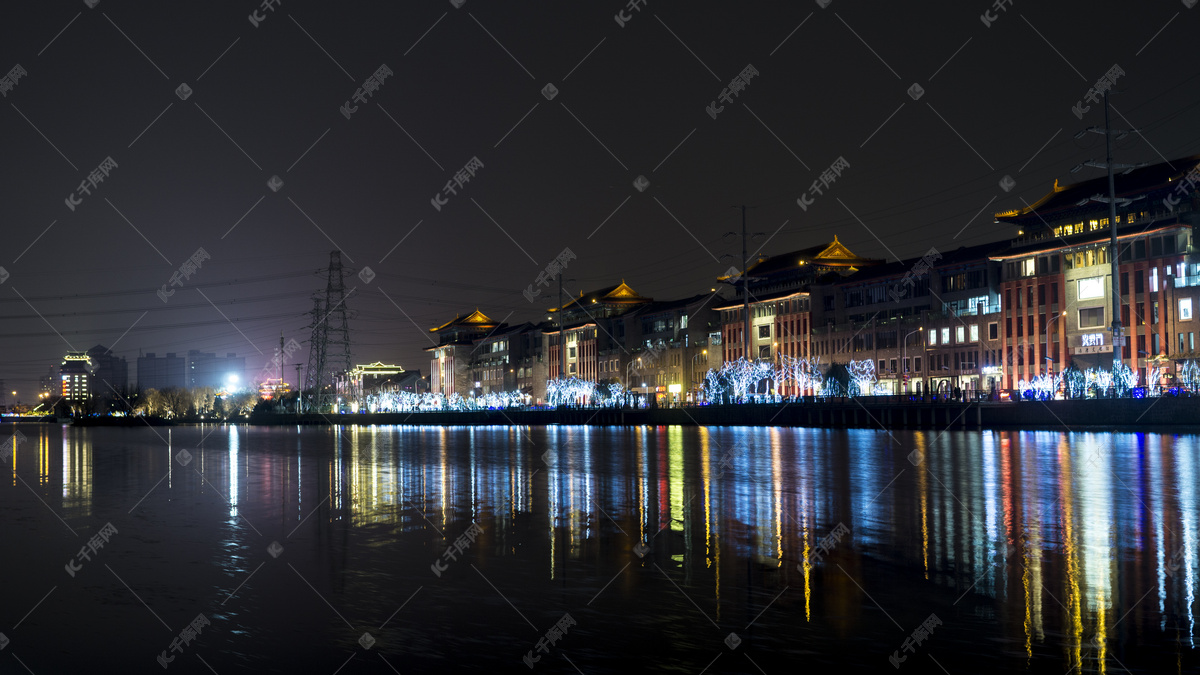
{"x":668,"y":347}
{"x":210,"y":370}
{"x":161,"y":372}
{"x":587,"y":336}
{"x":920,"y":322}
{"x":1057,"y":276}
{"x":110,"y":372}
{"x":75,"y":374}
{"x":450,"y":367}
{"x":781,"y":314}
{"x":368,"y":379}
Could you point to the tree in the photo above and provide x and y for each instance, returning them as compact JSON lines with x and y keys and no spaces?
{"x":241,"y":403}
{"x":202,"y":399}
{"x":176,"y":402}
{"x":149,"y":402}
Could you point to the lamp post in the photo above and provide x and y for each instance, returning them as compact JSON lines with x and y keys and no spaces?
{"x":903,"y":351}
{"x":1046,"y":334}
{"x":627,"y":367}
{"x":693,"y":379}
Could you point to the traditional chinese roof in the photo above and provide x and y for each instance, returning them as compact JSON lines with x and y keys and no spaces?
{"x":815,"y":260}
{"x":377,"y":368}
{"x":619,"y":295}
{"x":1066,"y":202}
{"x":474,"y":320}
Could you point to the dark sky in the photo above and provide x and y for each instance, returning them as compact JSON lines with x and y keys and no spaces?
{"x":553,"y":170}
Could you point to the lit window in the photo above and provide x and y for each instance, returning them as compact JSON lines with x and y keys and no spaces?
{"x":1028,"y":268}
{"x":974,"y":333}
{"x":1185,"y":309}
{"x":933,"y":336}
{"x":960,"y":334}
{"x":945,"y":336}
{"x":1092,"y":287}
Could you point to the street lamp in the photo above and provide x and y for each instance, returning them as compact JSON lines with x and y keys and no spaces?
{"x":903,"y":359}
{"x":627,"y":367}
{"x":1046,"y":334}
{"x":694,"y":380}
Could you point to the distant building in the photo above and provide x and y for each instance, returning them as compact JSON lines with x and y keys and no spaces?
{"x":49,"y":384}
{"x":110,"y":373}
{"x":369,"y":379}
{"x":210,"y":370}
{"x":161,"y":372}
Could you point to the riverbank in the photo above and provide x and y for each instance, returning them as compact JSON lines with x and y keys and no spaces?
{"x":1117,"y":414}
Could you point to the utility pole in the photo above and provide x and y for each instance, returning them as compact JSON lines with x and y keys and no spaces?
{"x":1117,"y":327}
{"x":745,"y":280}
{"x":745,"y":289}
{"x":1118,"y":336}
{"x":299,"y":393}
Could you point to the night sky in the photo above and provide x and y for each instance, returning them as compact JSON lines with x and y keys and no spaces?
{"x":556,"y":173}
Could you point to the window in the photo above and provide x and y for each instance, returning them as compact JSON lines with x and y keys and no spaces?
{"x":1028,"y":267}
{"x":1092,"y":287}
{"x":893,"y":365}
{"x":571,"y":352}
{"x":906,"y":364}
{"x":975,"y":333}
{"x":960,"y":334}
{"x":917,"y":364}
{"x":764,"y":352}
{"x":572,"y":368}
{"x":945,"y":336}
{"x":1091,"y":317}
{"x":764,"y":331}
{"x":993,"y":330}
{"x":933,"y":336}
{"x":882,"y":363}
{"x":1185,"y":309}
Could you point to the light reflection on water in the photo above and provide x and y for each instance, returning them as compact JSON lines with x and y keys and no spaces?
{"x":1041,"y":549}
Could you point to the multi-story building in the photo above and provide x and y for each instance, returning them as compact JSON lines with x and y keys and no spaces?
{"x":450,"y":368}
{"x":76,"y":374}
{"x":110,"y":373}
{"x":668,"y":348}
{"x":586,"y":338}
{"x":161,"y":372}
{"x":783,"y":319}
{"x":210,"y":370}
{"x":920,"y":322}
{"x":1057,"y":275}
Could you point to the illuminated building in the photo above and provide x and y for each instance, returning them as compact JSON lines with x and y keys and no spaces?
{"x":450,"y":368}
{"x":587,"y":336}
{"x":75,"y":373}
{"x":1057,"y":275}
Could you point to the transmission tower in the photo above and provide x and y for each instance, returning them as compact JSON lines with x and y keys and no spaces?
{"x":337,"y":320}
{"x":316,"y":354}
{"x":329,"y":346}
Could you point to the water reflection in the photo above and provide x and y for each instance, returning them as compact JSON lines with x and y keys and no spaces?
{"x":1048,"y":544}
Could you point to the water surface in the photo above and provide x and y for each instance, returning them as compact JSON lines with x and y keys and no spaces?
{"x":1035,"y":551}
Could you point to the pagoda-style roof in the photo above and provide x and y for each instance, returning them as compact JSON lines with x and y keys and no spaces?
{"x":620,"y":295}
{"x":377,"y":368}
{"x":815,"y":260}
{"x":474,"y":320}
{"x":1063,"y":201}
